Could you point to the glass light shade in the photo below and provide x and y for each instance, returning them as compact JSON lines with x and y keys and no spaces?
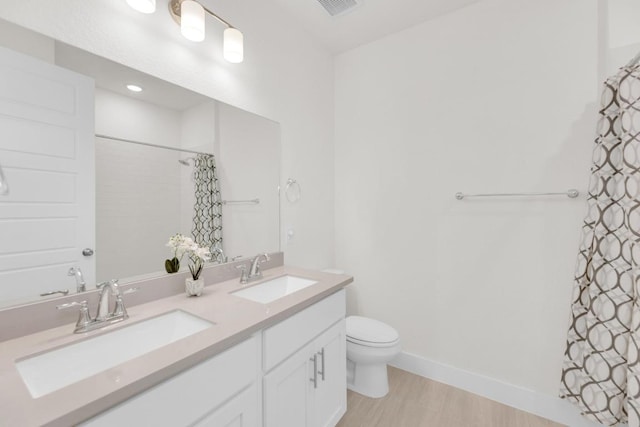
{"x":144,"y":6}
{"x":233,"y":45}
{"x":192,"y":20}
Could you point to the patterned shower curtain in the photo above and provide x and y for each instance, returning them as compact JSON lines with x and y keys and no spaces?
{"x":207,"y":217}
{"x":601,"y":374}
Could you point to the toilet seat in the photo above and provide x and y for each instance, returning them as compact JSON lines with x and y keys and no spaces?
{"x":370,"y":332}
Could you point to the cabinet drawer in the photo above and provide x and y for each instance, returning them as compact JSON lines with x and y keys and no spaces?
{"x":190,"y":395}
{"x":286,"y":337}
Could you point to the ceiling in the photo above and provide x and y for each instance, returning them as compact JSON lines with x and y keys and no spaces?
{"x":368,"y":21}
{"x":113,"y":76}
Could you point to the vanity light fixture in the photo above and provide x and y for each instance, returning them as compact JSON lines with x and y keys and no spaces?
{"x":144,"y":6}
{"x":190,"y":14}
{"x":134,"y":88}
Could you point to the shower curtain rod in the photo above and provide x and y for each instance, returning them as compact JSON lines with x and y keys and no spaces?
{"x":572,"y":193}
{"x":182,"y":150}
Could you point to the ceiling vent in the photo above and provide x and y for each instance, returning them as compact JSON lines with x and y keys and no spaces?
{"x":336,"y":7}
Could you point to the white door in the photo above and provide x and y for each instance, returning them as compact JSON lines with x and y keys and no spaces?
{"x":47,"y":156}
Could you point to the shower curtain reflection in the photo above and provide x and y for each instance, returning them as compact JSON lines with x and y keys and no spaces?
{"x":207,"y":210}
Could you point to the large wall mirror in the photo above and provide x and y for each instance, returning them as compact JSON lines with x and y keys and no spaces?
{"x":150,"y":151}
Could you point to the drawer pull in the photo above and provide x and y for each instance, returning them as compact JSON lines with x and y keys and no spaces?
{"x":314,"y":380}
{"x":321,"y":353}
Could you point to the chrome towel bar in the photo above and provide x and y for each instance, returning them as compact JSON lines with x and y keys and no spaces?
{"x":572,"y":193}
{"x":241,"y":202}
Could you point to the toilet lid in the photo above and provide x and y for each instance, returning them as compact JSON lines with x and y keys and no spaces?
{"x":365,"y":330}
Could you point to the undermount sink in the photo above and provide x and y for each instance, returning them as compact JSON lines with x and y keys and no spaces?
{"x":274,"y":289}
{"x":55,"y":369}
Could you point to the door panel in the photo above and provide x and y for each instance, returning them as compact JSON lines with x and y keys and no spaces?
{"x":47,"y":156}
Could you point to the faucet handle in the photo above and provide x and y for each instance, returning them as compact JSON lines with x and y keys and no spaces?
{"x":119,"y":310}
{"x":61,"y":291}
{"x":72,"y":304}
{"x":84,"y":319}
{"x":243,"y":274}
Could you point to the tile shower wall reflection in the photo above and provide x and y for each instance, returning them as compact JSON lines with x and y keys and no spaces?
{"x":143,"y":194}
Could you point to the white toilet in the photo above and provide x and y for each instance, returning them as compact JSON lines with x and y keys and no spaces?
{"x":370,"y":345}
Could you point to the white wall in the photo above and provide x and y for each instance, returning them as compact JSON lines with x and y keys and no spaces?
{"x":284,"y":77}
{"x":248,"y":168}
{"x":497,"y":97}
{"x":622,"y":33}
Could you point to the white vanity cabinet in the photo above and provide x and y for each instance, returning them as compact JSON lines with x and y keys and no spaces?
{"x":222,"y":391}
{"x":305,"y":365}
{"x":292,"y":374}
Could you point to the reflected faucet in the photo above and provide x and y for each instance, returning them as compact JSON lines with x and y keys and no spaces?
{"x":81,"y":285}
{"x":217,"y":250}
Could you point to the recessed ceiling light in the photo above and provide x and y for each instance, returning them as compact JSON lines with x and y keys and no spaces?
{"x":144,"y":6}
{"x":134,"y":88}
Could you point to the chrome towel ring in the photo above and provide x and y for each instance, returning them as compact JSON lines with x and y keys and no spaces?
{"x":292,"y":190}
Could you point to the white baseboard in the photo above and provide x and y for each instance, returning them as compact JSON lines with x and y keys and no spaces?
{"x":550,"y":407}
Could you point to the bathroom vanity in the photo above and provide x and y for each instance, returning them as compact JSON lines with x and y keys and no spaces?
{"x":276,"y":364}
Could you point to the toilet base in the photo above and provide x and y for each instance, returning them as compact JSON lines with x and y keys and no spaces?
{"x":368,"y":379}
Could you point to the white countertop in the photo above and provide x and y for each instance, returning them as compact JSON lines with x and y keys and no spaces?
{"x":235,"y":319}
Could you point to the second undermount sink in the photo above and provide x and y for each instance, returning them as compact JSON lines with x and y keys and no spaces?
{"x":274,"y":289}
{"x":55,"y":369}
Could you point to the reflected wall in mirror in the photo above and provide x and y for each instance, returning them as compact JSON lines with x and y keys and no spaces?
{"x":145,"y":146}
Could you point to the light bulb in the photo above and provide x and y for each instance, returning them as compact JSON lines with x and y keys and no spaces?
{"x":144,"y":6}
{"x":233,"y":50}
{"x":134,"y":88}
{"x":192,"y":20}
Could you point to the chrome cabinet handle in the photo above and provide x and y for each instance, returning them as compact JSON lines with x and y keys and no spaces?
{"x":321,"y":353}
{"x":87,"y":252}
{"x":314,"y":380}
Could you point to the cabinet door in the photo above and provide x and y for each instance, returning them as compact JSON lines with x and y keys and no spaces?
{"x":190,"y":396}
{"x":241,"y":411}
{"x":330,"y":397}
{"x":287,"y":391}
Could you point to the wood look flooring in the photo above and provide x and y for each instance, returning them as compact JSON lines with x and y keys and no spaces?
{"x":414,"y":401}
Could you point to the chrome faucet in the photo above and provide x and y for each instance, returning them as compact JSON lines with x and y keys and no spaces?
{"x":81,"y":285}
{"x":110,"y":287}
{"x":103,"y":316}
{"x":218,"y":250}
{"x":254,"y":271}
